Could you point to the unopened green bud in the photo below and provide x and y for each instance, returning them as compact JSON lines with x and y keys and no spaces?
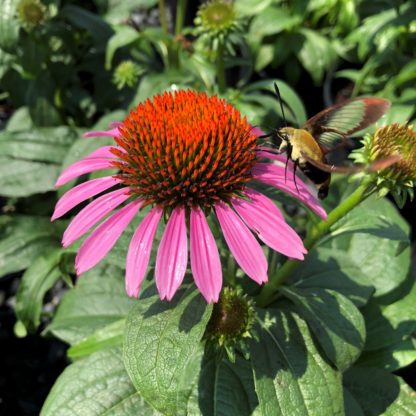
{"x":127,"y":74}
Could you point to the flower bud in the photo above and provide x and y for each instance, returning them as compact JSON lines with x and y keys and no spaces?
{"x":127,"y":74}
{"x":31,"y":13}
{"x":231,"y":321}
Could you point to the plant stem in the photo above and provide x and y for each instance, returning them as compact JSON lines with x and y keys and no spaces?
{"x":269,"y":291}
{"x":221,"y":67}
{"x":162,"y":14}
{"x":180,"y":16}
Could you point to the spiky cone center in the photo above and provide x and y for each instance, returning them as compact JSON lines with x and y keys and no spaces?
{"x":217,"y":15}
{"x":231,"y":319}
{"x":31,"y":12}
{"x":185,"y":149}
{"x":392,"y":140}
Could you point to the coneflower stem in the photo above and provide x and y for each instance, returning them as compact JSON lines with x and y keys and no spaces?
{"x":162,"y":15}
{"x":269,"y":292}
{"x":180,"y":16}
{"x":221,"y":67}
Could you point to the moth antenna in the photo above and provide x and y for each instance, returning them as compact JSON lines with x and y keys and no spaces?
{"x":279,"y":97}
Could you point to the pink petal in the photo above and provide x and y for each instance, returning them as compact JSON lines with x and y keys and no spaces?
{"x":272,"y":230}
{"x":268,"y":153}
{"x":274,"y":175}
{"x":93,"y":213}
{"x":172,"y":255}
{"x":102,"y":239}
{"x":205,"y":260}
{"x":260,"y":199}
{"x":139,"y":251}
{"x":114,"y":132}
{"x":97,"y":160}
{"x":81,"y":193}
{"x":115,"y":124}
{"x":104,"y":151}
{"x":244,"y":247}
{"x":257,"y":131}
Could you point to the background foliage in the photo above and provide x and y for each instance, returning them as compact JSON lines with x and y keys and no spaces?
{"x":346,"y":321}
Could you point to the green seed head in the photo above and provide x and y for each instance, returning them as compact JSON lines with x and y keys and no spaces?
{"x":231,"y":321}
{"x":31,"y":13}
{"x":126,"y":74}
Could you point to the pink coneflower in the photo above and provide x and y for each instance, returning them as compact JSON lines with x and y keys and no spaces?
{"x":184,"y":155}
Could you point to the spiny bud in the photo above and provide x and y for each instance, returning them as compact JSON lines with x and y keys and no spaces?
{"x":127,"y":74}
{"x":231,"y":321}
{"x":215,"y":22}
{"x":31,"y":13}
{"x":394,"y":140}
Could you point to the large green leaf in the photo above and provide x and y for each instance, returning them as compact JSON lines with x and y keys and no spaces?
{"x":108,"y":336}
{"x":162,"y":341}
{"x":379,"y":244}
{"x":289,"y":97}
{"x":273,"y":20}
{"x":96,"y":386}
{"x":30,"y":161}
{"x":97,"y":300}
{"x":334,"y":269}
{"x":83,"y":19}
{"x":379,"y":392}
{"x":23,"y":239}
{"x":36,"y":281}
{"x":334,"y":320}
{"x":387,"y":325}
{"x":316,"y":54}
{"x":391,"y":357}
{"x":223,"y":388}
{"x":124,"y":36}
{"x":291,"y":377}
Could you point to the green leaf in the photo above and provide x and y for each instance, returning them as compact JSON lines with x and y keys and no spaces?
{"x":334,"y":320}
{"x":387,"y":325}
{"x":109,"y":336}
{"x":336,"y":270}
{"x":316,"y":54}
{"x":250,"y":8}
{"x":291,"y":377}
{"x":380,"y":247}
{"x":116,"y":11}
{"x":97,"y":300}
{"x":96,"y":386}
{"x":224,"y":388}
{"x":23,"y":239}
{"x":36,"y":281}
{"x":379,"y":392}
{"x":83,"y":19}
{"x":19,"y":121}
{"x":273,"y":20}
{"x":161,"y":341}
{"x":352,"y":408}
{"x":9,"y":26}
{"x":392,"y":357}
{"x":289,"y":97}
{"x":124,"y":36}
{"x":30,"y":161}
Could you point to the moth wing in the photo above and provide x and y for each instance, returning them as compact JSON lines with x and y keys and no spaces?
{"x":332,"y":126}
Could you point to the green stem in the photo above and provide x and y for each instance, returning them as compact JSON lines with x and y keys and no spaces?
{"x":180,"y":16}
{"x":221,"y":67}
{"x":162,"y":13}
{"x":269,"y":292}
